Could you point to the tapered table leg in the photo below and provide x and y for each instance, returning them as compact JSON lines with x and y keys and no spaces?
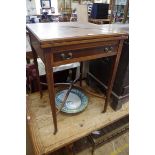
{"x":81,"y":73}
{"x":50,"y":83}
{"x":37,"y":71}
{"x":113,"y":74}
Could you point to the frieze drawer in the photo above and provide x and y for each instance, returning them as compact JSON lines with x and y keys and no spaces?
{"x":85,"y":54}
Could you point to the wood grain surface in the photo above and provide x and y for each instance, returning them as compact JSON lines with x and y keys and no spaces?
{"x":83,"y":41}
{"x":74,"y":30}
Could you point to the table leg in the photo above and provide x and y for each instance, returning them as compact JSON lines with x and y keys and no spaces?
{"x":81,"y":73}
{"x":37,"y":71}
{"x":50,"y":83}
{"x":113,"y":74}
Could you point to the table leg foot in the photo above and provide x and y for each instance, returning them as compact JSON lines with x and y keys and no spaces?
{"x":41,"y":95}
{"x":106,"y":105}
{"x":103,"y":111}
{"x":55,"y":131}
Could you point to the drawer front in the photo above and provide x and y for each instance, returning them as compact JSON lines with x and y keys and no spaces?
{"x":84,"y":54}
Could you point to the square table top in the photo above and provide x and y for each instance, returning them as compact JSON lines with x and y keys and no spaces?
{"x":72,"y":30}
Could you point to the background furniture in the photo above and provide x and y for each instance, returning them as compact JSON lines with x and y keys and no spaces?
{"x":121,"y":11}
{"x":120,"y":93}
{"x":118,"y":12}
{"x":98,"y":13}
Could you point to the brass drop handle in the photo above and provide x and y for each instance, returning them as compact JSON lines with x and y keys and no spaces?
{"x":66,"y":56}
{"x":110,"y":49}
{"x":106,"y":49}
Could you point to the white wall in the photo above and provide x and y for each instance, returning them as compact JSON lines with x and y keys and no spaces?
{"x":30,"y":7}
{"x":120,"y":2}
{"x":82,"y":12}
{"x":38,"y":6}
{"x":33,"y":6}
{"x":102,"y":1}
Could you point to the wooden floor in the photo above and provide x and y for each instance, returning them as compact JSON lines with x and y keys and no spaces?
{"x":70,"y":127}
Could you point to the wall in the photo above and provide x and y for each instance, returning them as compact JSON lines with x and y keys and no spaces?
{"x":30,"y":7}
{"x":102,"y":1}
{"x":82,"y":12}
{"x":120,"y":2}
{"x":33,"y":6}
{"x":54,"y":3}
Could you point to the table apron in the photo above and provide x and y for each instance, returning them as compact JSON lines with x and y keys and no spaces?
{"x":84,"y":54}
{"x":81,"y":52}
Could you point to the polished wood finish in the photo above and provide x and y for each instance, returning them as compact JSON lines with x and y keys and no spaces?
{"x":81,"y":73}
{"x":77,"y":42}
{"x":112,"y":77}
{"x":29,"y":54}
{"x":37,"y":70}
{"x":50,"y":83}
{"x":52,"y":33}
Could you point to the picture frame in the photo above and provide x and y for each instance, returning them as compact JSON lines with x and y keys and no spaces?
{"x":85,"y":2}
{"x":45,"y":4}
{"x":76,"y":1}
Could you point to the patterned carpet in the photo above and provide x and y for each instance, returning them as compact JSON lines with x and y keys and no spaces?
{"x":118,"y":146}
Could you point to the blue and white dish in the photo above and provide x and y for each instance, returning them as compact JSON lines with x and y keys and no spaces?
{"x":76,"y":102}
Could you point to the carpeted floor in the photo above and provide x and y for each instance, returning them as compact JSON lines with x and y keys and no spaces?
{"x":118,"y":146}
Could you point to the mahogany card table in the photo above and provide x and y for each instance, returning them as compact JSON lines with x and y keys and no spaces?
{"x":67,"y":42}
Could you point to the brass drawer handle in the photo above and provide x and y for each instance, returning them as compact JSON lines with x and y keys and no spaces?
{"x":66,"y":56}
{"x":108,"y":50}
